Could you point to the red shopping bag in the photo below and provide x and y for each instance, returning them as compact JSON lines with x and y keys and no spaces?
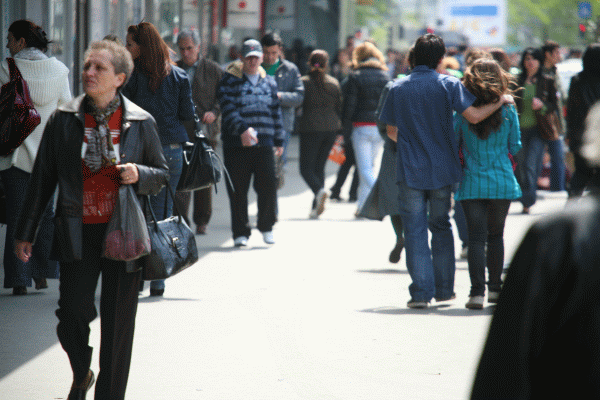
{"x":336,"y":154}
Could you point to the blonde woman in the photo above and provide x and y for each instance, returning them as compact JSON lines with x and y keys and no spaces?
{"x":362,"y":92}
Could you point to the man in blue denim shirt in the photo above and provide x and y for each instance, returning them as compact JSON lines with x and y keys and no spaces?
{"x":418,"y":112}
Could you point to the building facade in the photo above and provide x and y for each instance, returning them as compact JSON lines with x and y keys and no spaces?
{"x":73,"y":24}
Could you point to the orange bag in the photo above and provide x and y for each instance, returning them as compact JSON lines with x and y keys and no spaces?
{"x":336,"y":154}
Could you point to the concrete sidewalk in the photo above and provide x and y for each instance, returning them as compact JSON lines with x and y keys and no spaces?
{"x":319,"y":315}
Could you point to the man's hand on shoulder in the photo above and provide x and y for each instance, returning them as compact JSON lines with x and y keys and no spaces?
{"x":508,"y":99}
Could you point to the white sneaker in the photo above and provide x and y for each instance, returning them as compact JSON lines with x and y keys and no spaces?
{"x":321,"y":199}
{"x":268,"y":237}
{"x":313,"y":214}
{"x":475,"y":303}
{"x":240,"y":241}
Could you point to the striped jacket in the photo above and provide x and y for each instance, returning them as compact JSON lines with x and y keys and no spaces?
{"x":245,"y":105}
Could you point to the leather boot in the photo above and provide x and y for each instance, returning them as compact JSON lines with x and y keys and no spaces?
{"x":78,"y":392}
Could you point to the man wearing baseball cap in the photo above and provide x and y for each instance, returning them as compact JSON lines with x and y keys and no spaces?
{"x":251,"y":128}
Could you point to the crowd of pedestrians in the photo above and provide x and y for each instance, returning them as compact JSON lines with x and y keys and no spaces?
{"x":457,"y":129}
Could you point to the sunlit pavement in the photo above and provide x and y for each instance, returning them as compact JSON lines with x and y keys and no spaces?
{"x":319,"y":315}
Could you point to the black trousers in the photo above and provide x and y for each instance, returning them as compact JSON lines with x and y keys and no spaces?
{"x":314,"y":151}
{"x":118,"y":307}
{"x":243,"y":164}
{"x":485,"y":222}
{"x":345,"y":170}
{"x":202,"y":200}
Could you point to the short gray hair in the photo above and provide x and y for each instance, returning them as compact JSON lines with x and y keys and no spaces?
{"x":120,"y":57}
{"x":189,"y":33}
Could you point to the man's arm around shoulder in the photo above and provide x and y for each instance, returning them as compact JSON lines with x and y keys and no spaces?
{"x":477,"y":114}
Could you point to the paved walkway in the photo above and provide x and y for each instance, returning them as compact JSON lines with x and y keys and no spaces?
{"x":321,"y":315}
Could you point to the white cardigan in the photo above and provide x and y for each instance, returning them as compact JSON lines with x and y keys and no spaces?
{"x":48,"y":82}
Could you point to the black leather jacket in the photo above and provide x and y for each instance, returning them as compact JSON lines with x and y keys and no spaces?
{"x":362,"y":92}
{"x":59,"y":163}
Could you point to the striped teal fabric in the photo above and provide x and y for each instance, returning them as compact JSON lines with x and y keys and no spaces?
{"x":488,"y":172}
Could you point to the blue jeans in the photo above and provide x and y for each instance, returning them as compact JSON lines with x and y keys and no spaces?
{"x":557,"y":169}
{"x":529,"y":161}
{"x":367,"y":142}
{"x":431,"y":269}
{"x":162,"y":203}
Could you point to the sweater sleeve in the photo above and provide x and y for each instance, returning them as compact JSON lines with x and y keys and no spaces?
{"x":186,"y":104}
{"x":227,"y":93}
{"x":294,"y":96}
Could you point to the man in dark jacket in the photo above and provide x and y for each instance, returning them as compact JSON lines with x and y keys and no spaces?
{"x":204,"y":75}
{"x":290,"y":89}
{"x":251,"y":128}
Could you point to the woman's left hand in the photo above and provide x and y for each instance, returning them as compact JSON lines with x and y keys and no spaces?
{"x":537,"y":104}
{"x":129,"y":173}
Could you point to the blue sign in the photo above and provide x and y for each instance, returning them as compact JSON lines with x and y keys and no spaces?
{"x":474,"y":11}
{"x":584,"y":10}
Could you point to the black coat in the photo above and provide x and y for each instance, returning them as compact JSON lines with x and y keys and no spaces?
{"x":59,"y":163}
{"x":544,"y":339}
{"x":362,"y":91}
{"x":584,"y":91}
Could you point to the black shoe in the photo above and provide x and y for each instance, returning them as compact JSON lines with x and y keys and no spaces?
{"x":40,"y":283}
{"x":141,"y":288}
{"x":396,"y":251}
{"x":451,"y":297}
{"x":352,"y":199}
{"x":156,"y":292}
{"x":19,"y":290}
{"x":78,"y":392}
{"x":334,"y":195}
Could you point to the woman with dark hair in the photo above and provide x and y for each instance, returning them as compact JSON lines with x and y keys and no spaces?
{"x":502,"y":58}
{"x":537,"y":94}
{"x":48,"y":82}
{"x":488,"y":183}
{"x":318,"y":125}
{"x":163,"y":90}
{"x":362,"y":92}
{"x":92,"y":146}
{"x":584,"y":91}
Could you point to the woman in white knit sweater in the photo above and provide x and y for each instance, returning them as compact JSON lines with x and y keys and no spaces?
{"x":48,"y":83}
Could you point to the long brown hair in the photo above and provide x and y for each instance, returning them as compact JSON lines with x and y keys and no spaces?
{"x":488,"y":82}
{"x":154,"y":59}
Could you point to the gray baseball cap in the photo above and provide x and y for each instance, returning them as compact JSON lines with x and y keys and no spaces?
{"x":252,"y":47}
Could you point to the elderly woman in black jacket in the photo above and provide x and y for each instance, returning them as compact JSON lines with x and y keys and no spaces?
{"x":584,"y":91}
{"x":361,"y":96}
{"x":90,"y":147}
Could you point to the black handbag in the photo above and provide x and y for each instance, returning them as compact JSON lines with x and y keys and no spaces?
{"x":173,"y":245}
{"x":202,"y":167}
{"x":18,"y":116}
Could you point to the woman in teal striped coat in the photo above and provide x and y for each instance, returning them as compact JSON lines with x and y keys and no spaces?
{"x":489,"y":182}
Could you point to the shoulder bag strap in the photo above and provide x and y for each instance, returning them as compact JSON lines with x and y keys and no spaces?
{"x":13,"y":69}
